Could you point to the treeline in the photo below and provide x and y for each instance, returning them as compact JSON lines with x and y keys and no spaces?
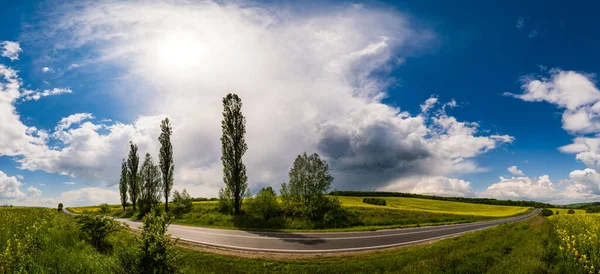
{"x":589,"y":208}
{"x":487,"y":201}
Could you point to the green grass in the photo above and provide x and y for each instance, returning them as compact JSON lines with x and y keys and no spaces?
{"x":438,"y":206}
{"x":524,"y":247}
{"x":399,"y":212}
{"x":39,"y":240}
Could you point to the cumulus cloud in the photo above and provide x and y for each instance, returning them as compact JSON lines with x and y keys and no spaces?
{"x":431,"y":185}
{"x":522,"y":188}
{"x":577,"y":94}
{"x":307,"y":82}
{"x":10,"y":189}
{"x":46,"y":69}
{"x":78,"y":197}
{"x":515,"y":171}
{"x":10,"y":50}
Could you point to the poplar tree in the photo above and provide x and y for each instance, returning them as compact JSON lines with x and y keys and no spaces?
{"x":132,"y":174}
{"x":123,"y":184}
{"x":150,"y":186}
{"x":233,"y":148}
{"x":165,"y":158}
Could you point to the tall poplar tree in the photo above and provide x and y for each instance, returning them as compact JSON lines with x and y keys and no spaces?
{"x":233,"y":148}
{"x":123,"y":184}
{"x":150,"y":186}
{"x":166,"y":159}
{"x":133,"y":162}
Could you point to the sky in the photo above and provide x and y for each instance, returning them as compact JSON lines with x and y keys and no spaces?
{"x":454,"y":99}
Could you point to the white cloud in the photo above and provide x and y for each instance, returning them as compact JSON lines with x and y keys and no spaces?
{"x":29,"y":95}
{"x":76,"y":118}
{"x":429,"y":103}
{"x":78,"y":197}
{"x":10,"y":50}
{"x":69,"y":183}
{"x":306,"y":83}
{"x":515,"y":171}
{"x":10,"y":189}
{"x":431,"y":185}
{"x":522,"y":188}
{"x":46,"y":69}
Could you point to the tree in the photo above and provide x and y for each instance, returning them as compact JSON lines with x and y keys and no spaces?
{"x":265,"y":204}
{"x":132,"y":174}
{"x":182,"y":202}
{"x":233,"y":148}
{"x":546,"y":212}
{"x":165,"y":158}
{"x":150,"y":185}
{"x":60,"y":207}
{"x":123,"y":184}
{"x":571,"y":211}
{"x":309,"y":180}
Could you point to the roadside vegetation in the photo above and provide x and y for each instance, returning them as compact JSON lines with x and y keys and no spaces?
{"x":53,"y":242}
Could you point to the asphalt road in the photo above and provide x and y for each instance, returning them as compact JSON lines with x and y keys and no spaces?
{"x":324,"y":242}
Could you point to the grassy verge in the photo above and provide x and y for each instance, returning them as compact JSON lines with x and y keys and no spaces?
{"x":357,"y":216}
{"x":524,"y":247}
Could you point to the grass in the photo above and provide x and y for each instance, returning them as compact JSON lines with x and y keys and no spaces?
{"x":399,"y":212}
{"x":524,"y":247}
{"x":438,"y":206}
{"x":40,"y":240}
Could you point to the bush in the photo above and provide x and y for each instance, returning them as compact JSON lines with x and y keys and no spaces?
{"x":155,"y":252}
{"x":60,"y":207}
{"x":374,"y":201}
{"x":265,"y":204}
{"x":225,"y":205}
{"x":546,"y":212}
{"x":571,"y":211}
{"x":96,"y":229}
{"x":182,"y":203}
{"x":104,"y":208}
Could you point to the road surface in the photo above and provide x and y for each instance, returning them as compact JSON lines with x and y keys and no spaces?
{"x":323,"y":242}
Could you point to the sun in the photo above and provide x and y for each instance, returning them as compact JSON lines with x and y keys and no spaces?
{"x":180,"y":50}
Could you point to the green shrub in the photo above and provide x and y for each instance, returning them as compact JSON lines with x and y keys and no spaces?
{"x":96,"y":229}
{"x":571,"y":211}
{"x":155,"y":251}
{"x":60,"y":207}
{"x":374,"y":201}
{"x":104,"y":208}
{"x":265,"y":204}
{"x":182,"y":203}
{"x":546,"y":212}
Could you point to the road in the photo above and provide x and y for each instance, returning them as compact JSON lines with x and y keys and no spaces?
{"x":323,"y":242}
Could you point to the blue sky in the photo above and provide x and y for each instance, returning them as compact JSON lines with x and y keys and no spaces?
{"x":508,"y":84}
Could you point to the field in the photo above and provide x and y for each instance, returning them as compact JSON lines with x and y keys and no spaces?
{"x":524,"y":247}
{"x":579,"y":243}
{"x":438,"y":206}
{"x":566,"y":210}
{"x":357,"y":216}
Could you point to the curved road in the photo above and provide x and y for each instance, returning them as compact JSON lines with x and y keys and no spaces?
{"x":323,"y":242}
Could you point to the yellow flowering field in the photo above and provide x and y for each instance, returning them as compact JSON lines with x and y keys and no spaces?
{"x":19,"y":234}
{"x":579,"y":242}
